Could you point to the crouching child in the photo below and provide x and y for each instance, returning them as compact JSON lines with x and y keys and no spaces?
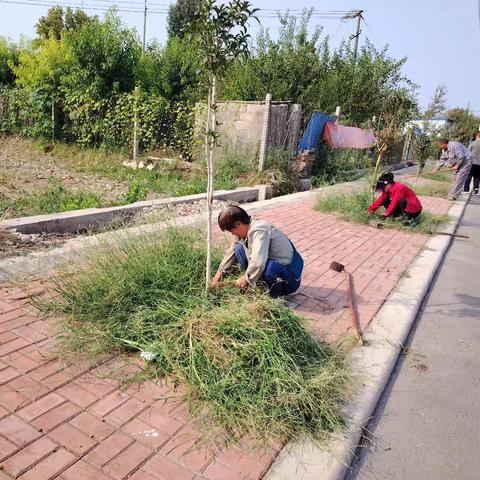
{"x":263,"y":251}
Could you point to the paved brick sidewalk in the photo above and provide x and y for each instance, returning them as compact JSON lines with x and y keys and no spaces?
{"x":74,"y":422}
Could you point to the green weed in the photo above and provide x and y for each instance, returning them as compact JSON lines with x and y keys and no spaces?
{"x":168,"y":180}
{"x":135,"y":193}
{"x":248,"y":362}
{"x":353,"y":207}
{"x":55,"y":198}
{"x":439,"y":189}
{"x":445,"y":177}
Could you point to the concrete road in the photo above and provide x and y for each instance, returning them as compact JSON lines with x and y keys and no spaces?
{"x":427,"y":424}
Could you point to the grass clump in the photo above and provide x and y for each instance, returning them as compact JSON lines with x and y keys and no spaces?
{"x":55,"y":198}
{"x":445,"y":177}
{"x":439,"y":189}
{"x":247,"y":361}
{"x":353,"y":207}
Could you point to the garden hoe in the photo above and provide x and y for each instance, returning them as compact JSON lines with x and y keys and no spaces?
{"x":338,"y":267}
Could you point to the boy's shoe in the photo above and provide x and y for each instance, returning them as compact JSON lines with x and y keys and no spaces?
{"x":451,"y":198}
{"x":475,"y":192}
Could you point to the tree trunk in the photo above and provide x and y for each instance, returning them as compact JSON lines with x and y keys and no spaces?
{"x":135,"y":125}
{"x":377,"y":167}
{"x":211,"y":142}
{"x":53,"y":117}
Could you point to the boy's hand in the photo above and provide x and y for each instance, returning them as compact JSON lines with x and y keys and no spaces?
{"x":435,"y":171}
{"x":242,"y":282}
{"x":216,"y":280}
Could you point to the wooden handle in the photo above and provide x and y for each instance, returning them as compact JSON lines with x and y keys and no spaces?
{"x":453,"y":234}
{"x":351,"y":306}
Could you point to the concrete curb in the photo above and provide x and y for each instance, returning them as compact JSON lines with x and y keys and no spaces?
{"x":373,"y":365}
{"x":73,"y":221}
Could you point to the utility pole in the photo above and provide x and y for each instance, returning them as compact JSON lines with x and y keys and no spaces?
{"x":358,"y":15}
{"x":144,"y":25}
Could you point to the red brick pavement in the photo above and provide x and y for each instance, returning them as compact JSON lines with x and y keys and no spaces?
{"x":76,"y":422}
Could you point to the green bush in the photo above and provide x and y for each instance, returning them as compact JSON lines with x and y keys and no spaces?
{"x":247,"y":361}
{"x":339,"y":165}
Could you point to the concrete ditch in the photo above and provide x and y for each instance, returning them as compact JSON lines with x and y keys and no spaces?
{"x":91,"y":218}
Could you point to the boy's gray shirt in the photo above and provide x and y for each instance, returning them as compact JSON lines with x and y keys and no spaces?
{"x":264,"y":242}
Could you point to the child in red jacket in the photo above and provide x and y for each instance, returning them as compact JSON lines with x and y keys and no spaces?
{"x":397,"y":198}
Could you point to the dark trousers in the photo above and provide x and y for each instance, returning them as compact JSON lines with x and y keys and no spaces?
{"x":475,"y":174}
{"x":278,"y":278}
{"x":400,"y":209}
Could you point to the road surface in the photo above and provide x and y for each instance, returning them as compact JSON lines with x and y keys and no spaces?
{"x":427,"y":424}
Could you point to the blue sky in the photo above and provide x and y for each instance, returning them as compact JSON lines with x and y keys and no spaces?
{"x":441,"y":38}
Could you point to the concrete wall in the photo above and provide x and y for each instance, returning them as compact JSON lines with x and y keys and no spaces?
{"x":241,"y":125}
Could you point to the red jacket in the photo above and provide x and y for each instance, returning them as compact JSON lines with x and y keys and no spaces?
{"x":396,"y":193}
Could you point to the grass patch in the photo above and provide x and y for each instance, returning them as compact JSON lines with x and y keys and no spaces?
{"x":176,"y":179}
{"x":248,"y":362}
{"x":55,"y":198}
{"x":445,"y":177}
{"x":353,"y":208}
{"x":438,"y":189}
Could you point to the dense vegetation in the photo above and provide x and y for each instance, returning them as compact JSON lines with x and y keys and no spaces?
{"x":76,"y":80}
{"x":248,"y":362}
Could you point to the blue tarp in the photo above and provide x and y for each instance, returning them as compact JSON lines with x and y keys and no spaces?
{"x":314,"y":130}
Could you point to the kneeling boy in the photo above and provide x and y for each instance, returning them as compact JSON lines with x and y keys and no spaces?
{"x":263,"y":251}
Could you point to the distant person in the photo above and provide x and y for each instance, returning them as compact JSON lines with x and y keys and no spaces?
{"x":398,"y":199}
{"x":474,"y":149}
{"x":459,"y":160}
{"x":263,"y":251}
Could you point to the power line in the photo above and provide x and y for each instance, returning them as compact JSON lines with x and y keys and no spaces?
{"x":135,"y":7}
{"x":372,"y":34}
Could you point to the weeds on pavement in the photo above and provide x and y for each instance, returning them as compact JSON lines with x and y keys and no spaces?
{"x":445,"y":177}
{"x":247,"y":361}
{"x":438,"y":189}
{"x":353,"y":207}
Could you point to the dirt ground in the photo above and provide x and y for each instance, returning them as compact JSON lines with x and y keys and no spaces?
{"x":26,"y":170}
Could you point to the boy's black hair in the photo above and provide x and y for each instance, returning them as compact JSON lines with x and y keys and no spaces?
{"x":230,"y":215}
{"x":443,"y":141}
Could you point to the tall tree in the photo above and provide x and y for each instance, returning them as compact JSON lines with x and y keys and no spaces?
{"x":58,"y":20}
{"x":464,"y":124}
{"x":437,"y":103}
{"x":180,"y":14}
{"x":220,"y":33}
{"x":9,"y":53}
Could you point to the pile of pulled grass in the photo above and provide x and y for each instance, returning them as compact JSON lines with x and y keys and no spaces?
{"x":247,"y":361}
{"x":353,"y":207}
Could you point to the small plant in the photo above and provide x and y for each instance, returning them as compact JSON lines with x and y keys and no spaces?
{"x":353,"y":207}
{"x":248,"y":362}
{"x":136,"y":192}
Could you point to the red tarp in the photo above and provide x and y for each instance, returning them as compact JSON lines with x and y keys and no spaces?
{"x":339,"y":136}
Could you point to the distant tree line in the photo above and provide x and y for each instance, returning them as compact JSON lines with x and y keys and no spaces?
{"x":76,"y":80}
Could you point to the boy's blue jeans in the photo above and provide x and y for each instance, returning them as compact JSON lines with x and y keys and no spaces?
{"x":278,"y":278}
